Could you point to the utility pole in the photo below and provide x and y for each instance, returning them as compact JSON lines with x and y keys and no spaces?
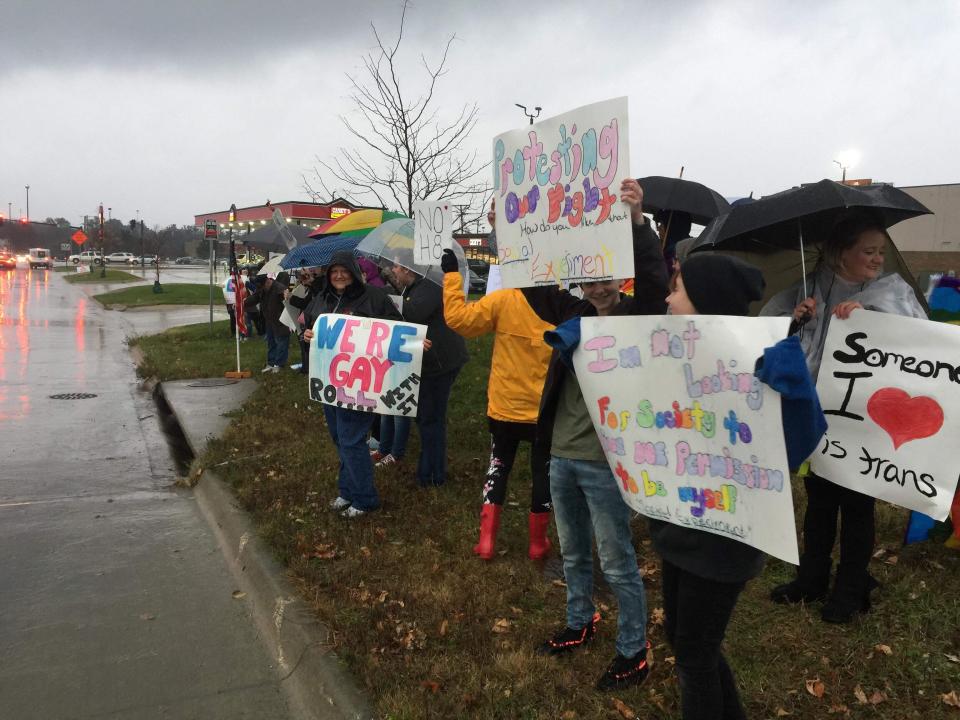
{"x":103,"y":262}
{"x":461,"y":211}
{"x":28,"y":201}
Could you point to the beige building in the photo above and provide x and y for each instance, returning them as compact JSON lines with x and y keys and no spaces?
{"x":931,"y":243}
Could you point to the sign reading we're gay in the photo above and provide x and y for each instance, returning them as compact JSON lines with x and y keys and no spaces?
{"x":691,"y":435}
{"x":557,"y":185}
{"x":366,"y":364}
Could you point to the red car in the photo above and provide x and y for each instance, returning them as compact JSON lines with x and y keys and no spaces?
{"x":7,"y":261}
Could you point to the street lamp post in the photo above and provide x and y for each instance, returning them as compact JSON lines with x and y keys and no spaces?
{"x":843,"y":171}
{"x":528,"y":114}
{"x":28,"y":201}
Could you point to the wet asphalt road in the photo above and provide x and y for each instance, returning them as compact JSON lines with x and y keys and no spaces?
{"x":115,"y":601}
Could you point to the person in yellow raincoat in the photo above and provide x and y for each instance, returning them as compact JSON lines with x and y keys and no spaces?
{"x":517,"y":372}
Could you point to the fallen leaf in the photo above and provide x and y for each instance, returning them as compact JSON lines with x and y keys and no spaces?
{"x":238,"y":595}
{"x":860,"y":695}
{"x":841,"y":708}
{"x":623,"y":709}
{"x":952,"y":658}
{"x":892,"y":560}
{"x":815,"y":687}
{"x":502,"y":625}
{"x":568,"y":715}
{"x":951,"y":699}
{"x":885,"y":649}
{"x":657,"y":616}
{"x":559,"y":583}
{"x":148,"y":616}
{"x":430,"y":685}
{"x":325,"y":551}
{"x":365,"y":551}
{"x":443,"y":628}
{"x":516,"y":610}
{"x":877,"y":698}
{"x":380,"y":532}
{"x":879,"y":553}
{"x":782,"y":713}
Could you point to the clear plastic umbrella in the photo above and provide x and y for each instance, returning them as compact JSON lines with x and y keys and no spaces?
{"x":392,"y":244}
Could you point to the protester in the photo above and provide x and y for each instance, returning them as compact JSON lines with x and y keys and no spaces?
{"x":849,"y":276}
{"x":230,"y":298}
{"x":253,"y":318}
{"x":584,"y":491}
{"x":703,"y":573}
{"x":673,"y":226}
{"x":270,"y":297}
{"x":423,"y":304}
{"x":517,"y":371}
{"x":346,"y":293}
{"x":310,"y":285}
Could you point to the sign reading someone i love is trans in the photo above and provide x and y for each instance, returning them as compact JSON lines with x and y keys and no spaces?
{"x":366,"y":364}
{"x":692,"y":437}
{"x":890,"y":388}
{"x":557,"y":185}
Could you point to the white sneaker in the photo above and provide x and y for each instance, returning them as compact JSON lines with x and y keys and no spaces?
{"x":275,"y":369}
{"x":387,"y":459}
{"x":352,"y":512}
{"x":268,"y":368}
{"x":339,"y":504}
{"x":296,"y":366}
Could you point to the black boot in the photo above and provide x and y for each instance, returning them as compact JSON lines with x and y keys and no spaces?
{"x":811,"y":584}
{"x":851,"y":594}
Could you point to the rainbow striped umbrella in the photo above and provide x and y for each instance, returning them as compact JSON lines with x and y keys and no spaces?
{"x":359,"y":221}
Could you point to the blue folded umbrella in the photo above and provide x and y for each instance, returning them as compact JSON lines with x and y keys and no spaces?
{"x":319,"y":253}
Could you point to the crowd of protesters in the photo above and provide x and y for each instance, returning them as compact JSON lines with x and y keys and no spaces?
{"x":534,"y":397}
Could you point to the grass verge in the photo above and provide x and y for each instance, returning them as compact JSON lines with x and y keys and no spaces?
{"x":193,"y":351}
{"x":112,"y":276}
{"x":173,"y":294}
{"x":432,"y":632}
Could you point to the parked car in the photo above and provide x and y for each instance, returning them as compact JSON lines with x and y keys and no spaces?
{"x":477,"y":284}
{"x":119,"y":257}
{"x":87,"y":257}
{"x":147,"y":260}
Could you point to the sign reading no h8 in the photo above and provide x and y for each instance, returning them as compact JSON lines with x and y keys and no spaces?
{"x":432,"y":223}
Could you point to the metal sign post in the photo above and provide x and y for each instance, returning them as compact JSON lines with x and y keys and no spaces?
{"x":210,"y":232}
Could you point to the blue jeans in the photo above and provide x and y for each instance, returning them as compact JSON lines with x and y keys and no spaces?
{"x":432,"y":423}
{"x":348,"y":429}
{"x":394,"y":431}
{"x":277,"y":348}
{"x":586,"y":501}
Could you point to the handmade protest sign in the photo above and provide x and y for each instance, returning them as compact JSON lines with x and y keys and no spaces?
{"x":366,"y":364}
{"x":890,"y":388}
{"x":692,"y":437}
{"x":557,"y":186}
{"x":432,"y":231}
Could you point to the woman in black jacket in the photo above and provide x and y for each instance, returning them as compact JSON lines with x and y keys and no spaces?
{"x":347,"y":294}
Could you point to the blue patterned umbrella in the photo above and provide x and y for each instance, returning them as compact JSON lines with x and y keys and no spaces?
{"x":319,"y":253}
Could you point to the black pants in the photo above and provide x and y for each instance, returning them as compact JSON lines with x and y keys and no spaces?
{"x":825,"y":501}
{"x":505,"y":439}
{"x":696,"y":613}
{"x":233,"y":319}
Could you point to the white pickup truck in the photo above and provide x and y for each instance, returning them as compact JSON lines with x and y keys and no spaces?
{"x":87,"y":257}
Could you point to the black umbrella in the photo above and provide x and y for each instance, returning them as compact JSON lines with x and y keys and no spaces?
{"x":679,"y":195}
{"x":788,"y":219}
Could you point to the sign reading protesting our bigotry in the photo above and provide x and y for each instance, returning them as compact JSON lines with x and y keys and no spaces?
{"x":890,"y":388}
{"x":557,"y":185}
{"x":366,"y":364}
{"x":692,"y":437}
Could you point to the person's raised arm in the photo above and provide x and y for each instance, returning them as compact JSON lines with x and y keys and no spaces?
{"x":650,"y":282}
{"x":466,"y":319}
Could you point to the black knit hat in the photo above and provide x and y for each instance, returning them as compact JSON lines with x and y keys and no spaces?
{"x":721,"y":284}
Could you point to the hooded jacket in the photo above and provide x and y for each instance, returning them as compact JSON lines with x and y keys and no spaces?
{"x":423,"y":304}
{"x":357,"y":299}
{"x":271,"y":304}
{"x":518,"y":367}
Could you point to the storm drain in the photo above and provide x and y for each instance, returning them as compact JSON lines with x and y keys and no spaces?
{"x":73,"y":396}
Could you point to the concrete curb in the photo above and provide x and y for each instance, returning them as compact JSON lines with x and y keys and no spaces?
{"x":316,"y":685}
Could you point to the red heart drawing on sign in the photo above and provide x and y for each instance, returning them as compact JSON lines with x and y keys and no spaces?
{"x":905,"y":418}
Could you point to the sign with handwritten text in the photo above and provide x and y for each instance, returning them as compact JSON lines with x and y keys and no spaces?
{"x":557,"y":186}
{"x":890,"y":388}
{"x":692,"y":437}
{"x":432,"y":231}
{"x":366,"y":364}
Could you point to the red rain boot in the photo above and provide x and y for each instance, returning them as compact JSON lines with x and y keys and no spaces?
{"x":539,"y":543}
{"x":489,"y":524}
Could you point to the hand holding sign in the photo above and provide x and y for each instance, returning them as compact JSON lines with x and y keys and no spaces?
{"x":433,"y":224}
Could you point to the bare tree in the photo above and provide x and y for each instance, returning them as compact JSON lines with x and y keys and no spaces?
{"x":404,"y":151}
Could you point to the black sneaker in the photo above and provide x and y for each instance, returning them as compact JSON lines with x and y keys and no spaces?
{"x":568,"y":639}
{"x":625,"y":672}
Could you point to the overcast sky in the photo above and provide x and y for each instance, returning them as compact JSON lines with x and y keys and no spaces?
{"x":180,"y":107}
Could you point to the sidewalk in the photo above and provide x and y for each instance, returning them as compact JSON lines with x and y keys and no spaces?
{"x":298,"y":643}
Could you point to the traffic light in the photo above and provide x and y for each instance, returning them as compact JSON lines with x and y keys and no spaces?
{"x":133,"y":225}
{"x":233,"y":213}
